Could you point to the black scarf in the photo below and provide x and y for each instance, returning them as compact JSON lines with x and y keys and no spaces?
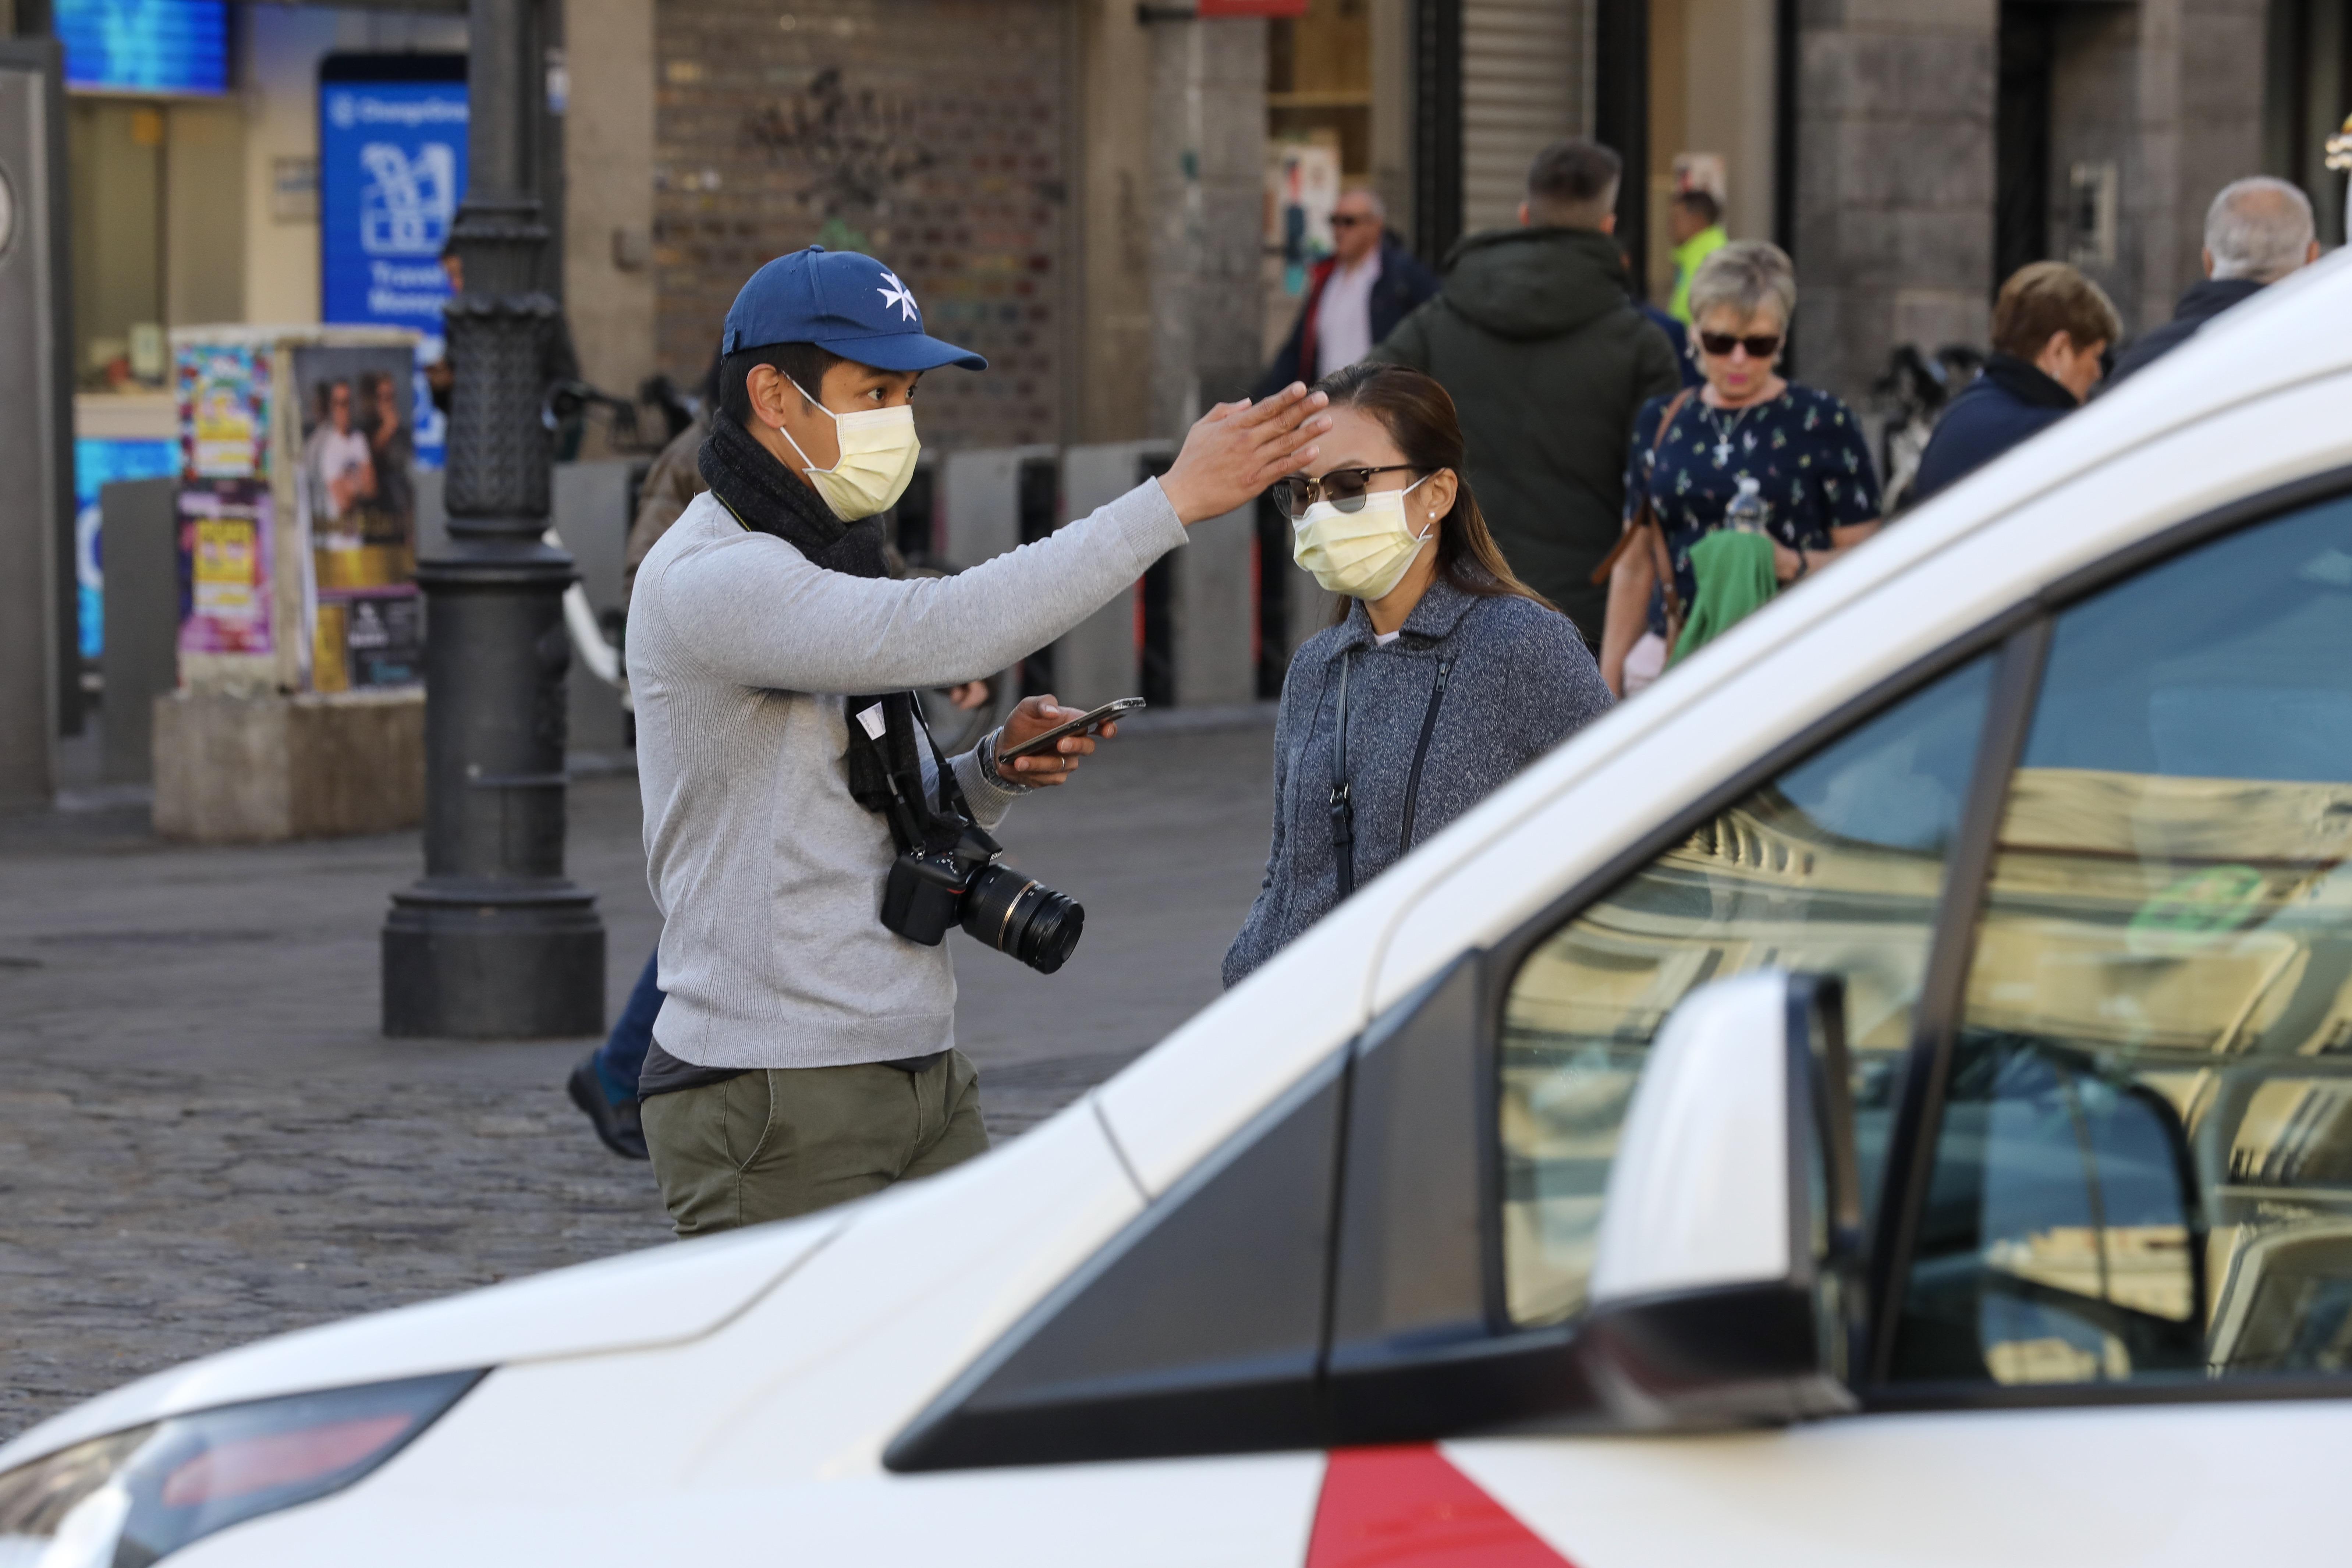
{"x":2029,"y":383}
{"x":766,"y":496}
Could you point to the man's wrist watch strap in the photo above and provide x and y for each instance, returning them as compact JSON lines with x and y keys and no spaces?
{"x":988,"y":769}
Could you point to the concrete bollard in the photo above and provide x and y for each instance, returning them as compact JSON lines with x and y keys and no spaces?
{"x":141,"y":661}
{"x":1216,"y":612}
{"x":981,"y":510}
{"x":1098,"y":660}
{"x":981,"y":514}
{"x":591,"y":511}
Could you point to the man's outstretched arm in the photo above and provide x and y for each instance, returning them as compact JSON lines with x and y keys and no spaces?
{"x":754,"y":611}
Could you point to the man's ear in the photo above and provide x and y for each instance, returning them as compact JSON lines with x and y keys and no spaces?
{"x":1608,"y":223}
{"x":771,"y":395}
{"x":2209,"y":262}
{"x":1523,"y":214}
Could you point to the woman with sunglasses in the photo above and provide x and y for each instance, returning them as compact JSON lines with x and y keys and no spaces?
{"x":1805,"y":449}
{"x":1440,"y":676}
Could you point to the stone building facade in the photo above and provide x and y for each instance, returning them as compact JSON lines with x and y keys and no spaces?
{"x":1076,"y":187}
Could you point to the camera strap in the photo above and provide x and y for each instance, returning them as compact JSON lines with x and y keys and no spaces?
{"x":1343,"y":805}
{"x":886,"y":774}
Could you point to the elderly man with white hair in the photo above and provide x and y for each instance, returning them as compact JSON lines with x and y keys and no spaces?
{"x":2256,"y":232}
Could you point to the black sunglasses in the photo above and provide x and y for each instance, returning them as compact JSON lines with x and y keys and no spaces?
{"x":1347,"y":220}
{"x":1343,"y":487}
{"x":1763,"y":346}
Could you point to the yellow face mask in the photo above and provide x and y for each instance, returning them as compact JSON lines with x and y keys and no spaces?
{"x":1363,"y":553}
{"x":877,"y":458}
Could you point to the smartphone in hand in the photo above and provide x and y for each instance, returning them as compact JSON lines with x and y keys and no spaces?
{"x":1086,"y":724}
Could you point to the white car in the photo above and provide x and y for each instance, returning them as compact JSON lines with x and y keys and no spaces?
{"x":1885,"y":1095}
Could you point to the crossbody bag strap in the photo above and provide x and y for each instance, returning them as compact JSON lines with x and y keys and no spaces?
{"x":1645,"y":516}
{"x":1343,"y":809}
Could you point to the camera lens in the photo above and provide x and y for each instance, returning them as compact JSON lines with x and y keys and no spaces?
{"x":1023,"y":917}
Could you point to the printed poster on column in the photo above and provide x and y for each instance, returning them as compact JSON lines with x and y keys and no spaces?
{"x":224,"y":396}
{"x":359,"y":511}
{"x":225,"y":567}
{"x":392,"y":173}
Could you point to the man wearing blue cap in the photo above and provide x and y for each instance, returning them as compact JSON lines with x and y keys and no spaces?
{"x":803,"y":1054}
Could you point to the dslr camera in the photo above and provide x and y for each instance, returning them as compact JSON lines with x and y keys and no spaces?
{"x":968,"y":885}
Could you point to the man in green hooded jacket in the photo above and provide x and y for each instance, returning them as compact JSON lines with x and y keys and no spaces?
{"x":1536,"y":338}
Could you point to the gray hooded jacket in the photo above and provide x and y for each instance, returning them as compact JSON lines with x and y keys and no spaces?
{"x":1517,"y":681}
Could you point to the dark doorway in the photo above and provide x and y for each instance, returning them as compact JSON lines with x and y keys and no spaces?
{"x":1620,"y":117}
{"x":1040,"y":503}
{"x":1271,"y":579}
{"x":1157,"y":636}
{"x":1436,"y":127}
{"x":2309,"y":90}
{"x":2028,"y":46}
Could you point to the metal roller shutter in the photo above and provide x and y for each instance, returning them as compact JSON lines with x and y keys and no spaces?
{"x":1524,"y":70}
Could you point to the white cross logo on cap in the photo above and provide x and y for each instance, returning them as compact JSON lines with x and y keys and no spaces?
{"x":897,"y":294}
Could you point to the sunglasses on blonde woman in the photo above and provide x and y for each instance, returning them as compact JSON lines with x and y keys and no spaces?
{"x":1764,"y":345}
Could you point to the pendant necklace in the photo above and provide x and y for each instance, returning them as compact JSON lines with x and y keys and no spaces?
{"x":1725,"y":432}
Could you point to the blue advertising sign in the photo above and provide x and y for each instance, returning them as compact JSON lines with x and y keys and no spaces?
{"x":98,"y":462}
{"x":391,"y":172}
{"x":145,"y":46}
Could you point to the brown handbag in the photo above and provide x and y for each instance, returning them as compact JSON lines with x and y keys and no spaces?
{"x":1644,"y":527}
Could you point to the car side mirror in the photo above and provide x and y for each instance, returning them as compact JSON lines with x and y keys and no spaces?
{"x":1724,"y":1285}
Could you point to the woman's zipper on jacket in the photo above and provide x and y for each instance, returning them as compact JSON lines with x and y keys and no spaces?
{"x":1420,"y":755}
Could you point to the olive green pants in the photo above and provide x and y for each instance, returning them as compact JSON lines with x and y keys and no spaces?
{"x":781,"y":1142}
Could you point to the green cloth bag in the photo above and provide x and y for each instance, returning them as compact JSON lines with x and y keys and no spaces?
{"x":1733,"y":569}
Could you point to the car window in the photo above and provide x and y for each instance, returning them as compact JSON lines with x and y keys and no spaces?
{"x":1835,"y":867}
{"x":2144,"y":1168}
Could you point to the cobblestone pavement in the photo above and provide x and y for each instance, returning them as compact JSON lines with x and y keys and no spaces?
{"x":203,"y":1139}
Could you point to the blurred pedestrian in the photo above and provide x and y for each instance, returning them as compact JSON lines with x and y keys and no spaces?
{"x":671,"y":483}
{"x":559,"y":360}
{"x":2256,"y":232}
{"x":1799,"y":454}
{"x":1442,"y":677}
{"x":1677,"y":337}
{"x":2051,"y":326}
{"x":1695,"y":223}
{"x":1355,"y":296}
{"x":1536,"y":338}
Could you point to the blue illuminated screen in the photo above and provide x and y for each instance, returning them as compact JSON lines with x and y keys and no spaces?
{"x":146,"y":46}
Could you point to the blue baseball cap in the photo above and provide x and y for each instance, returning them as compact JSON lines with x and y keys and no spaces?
{"x":842,"y":302}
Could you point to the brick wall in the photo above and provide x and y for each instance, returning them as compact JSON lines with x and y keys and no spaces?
{"x":927,"y":132}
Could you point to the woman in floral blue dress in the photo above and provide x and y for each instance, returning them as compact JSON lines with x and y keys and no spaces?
{"x":1805,"y":449}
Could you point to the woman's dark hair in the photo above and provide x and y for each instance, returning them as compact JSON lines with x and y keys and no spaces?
{"x":1419,"y":417}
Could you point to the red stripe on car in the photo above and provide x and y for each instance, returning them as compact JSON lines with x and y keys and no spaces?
{"x":1409,"y":1507}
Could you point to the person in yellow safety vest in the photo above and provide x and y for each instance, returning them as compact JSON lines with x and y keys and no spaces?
{"x":1695,"y":221}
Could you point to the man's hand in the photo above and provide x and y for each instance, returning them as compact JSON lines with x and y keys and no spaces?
{"x":1236,"y":450}
{"x":972,"y":694}
{"x":1034,"y":717}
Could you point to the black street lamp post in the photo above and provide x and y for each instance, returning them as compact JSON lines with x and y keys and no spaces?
{"x":495,"y":942}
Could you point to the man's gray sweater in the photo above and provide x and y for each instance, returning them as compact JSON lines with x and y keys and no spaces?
{"x":768,"y":875}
